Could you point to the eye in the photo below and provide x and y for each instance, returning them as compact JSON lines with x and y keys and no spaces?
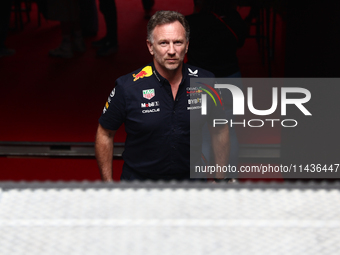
{"x":178,"y":42}
{"x":163,"y":43}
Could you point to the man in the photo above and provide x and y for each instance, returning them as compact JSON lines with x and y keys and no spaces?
{"x":153,"y":103}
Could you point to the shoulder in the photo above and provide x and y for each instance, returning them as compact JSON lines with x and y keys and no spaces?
{"x":194,"y":71}
{"x":136,"y":77}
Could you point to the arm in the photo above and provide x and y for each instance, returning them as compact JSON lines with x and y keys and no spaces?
{"x":220,"y":145}
{"x":104,"y":152}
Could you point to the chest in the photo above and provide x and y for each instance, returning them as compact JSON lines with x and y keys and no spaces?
{"x":154,"y":109}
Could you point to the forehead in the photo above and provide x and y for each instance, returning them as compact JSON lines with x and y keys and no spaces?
{"x":170,"y":31}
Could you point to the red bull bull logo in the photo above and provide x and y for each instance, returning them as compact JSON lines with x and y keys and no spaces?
{"x":146,"y":72}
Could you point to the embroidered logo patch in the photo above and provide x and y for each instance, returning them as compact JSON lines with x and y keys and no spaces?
{"x":112,"y":92}
{"x":193,"y":73}
{"x":151,"y":104}
{"x":146,"y":72}
{"x":149,"y":93}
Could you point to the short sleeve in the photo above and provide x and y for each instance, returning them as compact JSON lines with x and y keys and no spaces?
{"x":114,"y":112}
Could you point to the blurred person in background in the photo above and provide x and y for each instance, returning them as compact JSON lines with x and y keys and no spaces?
{"x":217,"y":31}
{"x":109,"y":43}
{"x":5,"y":15}
{"x":147,"y":6}
{"x":68,"y":13}
{"x":89,"y":18}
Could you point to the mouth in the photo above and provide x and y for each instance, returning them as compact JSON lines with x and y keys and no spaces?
{"x":171,"y":60}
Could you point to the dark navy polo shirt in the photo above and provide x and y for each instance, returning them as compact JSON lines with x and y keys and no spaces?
{"x":157,"y":126}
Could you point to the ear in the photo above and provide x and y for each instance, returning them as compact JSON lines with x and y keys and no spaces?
{"x":150,"y":46}
{"x":187,"y":47}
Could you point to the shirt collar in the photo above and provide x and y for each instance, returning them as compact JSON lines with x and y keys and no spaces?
{"x":161,"y":79}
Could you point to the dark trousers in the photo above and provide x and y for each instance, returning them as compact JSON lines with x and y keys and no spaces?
{"x":147,"y":4}
{"x":88,"y":17}
{"x":108,"y":9}
{"x":5,"y":14}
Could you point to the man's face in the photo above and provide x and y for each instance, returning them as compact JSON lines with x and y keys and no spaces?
{"x":169,"y":46}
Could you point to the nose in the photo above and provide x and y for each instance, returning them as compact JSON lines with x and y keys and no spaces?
{"x":171,"y":50}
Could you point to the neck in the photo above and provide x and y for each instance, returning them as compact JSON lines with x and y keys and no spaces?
{"x":174,"y":77}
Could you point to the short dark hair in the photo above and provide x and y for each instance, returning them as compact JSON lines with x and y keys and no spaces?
{"x":167,"y":17}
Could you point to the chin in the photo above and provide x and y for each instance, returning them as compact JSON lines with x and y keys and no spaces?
{"x":172,"y":67}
